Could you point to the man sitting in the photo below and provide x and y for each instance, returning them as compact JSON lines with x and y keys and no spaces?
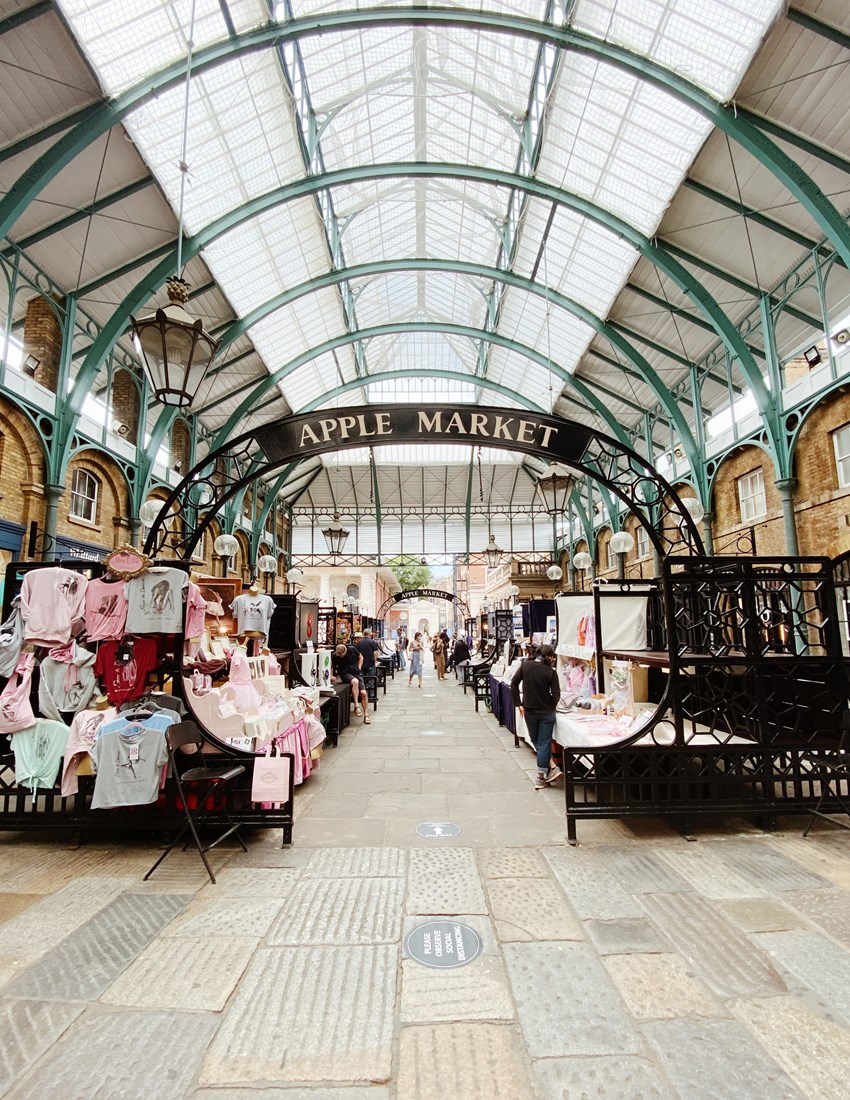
{"x":347,"y":662}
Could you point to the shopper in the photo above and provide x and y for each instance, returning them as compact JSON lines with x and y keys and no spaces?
{"x":416,"y":657}
{"x":438,"y":648}
{"x":401,"y":649}
{"x":541,"y":693}
{"x":367,"y":647}
{"x":460,"y":658}
{"x":347,"y":663}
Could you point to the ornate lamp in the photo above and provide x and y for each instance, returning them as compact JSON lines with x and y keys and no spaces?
{"x":267,"y":565}
{"x":694,"y":507}
{"x":621,"y":543}
{"x":492,"y":553}
{"x":226,"y":546}
{"x":335,"y":535}
{"x":555,"y":489}
{"x":554,"y":573}
{"x":294,"y":578}
{"x":149,"y":510}
{"x":174,"y":348}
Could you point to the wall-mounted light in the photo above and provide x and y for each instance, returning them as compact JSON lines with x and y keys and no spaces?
{"x":30,"y":365}
{"x":120,"y":428}
{"x":812,"y":356}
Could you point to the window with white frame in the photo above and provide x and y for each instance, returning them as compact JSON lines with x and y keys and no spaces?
{"x":612,"y":557}
{"x":751,"y":498}
{"x":841,"y":445}
{"x":643,"y":550}
{"x":84,"y":490}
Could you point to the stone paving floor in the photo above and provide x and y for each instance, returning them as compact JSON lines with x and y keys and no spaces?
{"x":637,"y":965}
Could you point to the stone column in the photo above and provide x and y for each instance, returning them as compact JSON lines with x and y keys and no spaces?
{"x":786,"y":488}
{"x":51,"y":519}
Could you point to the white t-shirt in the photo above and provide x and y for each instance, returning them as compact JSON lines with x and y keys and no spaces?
{"x":253,"y":612}
{"x":156,"y":601}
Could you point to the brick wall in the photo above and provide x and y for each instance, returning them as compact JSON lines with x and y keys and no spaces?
{"x":21,"y":468}
{"x":769,"y":531}
{"x":125,"y":403}
{"x":43,"y":339}
{"x":111,"y":527}
{"x":821,"y":508}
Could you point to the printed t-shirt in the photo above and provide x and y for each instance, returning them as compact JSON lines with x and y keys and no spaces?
{"x":106,"y":610}
{"x":81,"y":738}
{"x":38,"y":753}
{"x":156,"y":601}
{"x":52,"y":600}
{"x":253,"y":612}
{"x":125,"y":681}
{"x":129,"y":755}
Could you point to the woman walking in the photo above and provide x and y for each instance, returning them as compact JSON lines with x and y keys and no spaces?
{"x":439,"y":650}
{"x":416,"y":651}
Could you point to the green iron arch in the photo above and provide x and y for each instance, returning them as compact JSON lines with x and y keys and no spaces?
{"x":749,"y":135}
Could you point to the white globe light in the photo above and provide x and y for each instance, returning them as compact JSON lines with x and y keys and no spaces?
{"x":622,"y":542}
{"x":554,"y":572}
{"x":226,"y":546}
{"x":150,"y":510}
{"x":582,"y":560}
{"x":267,"y":564}
{"x":294,"y":575}
{"x":513,"y":590}
{"x":694,"y":507}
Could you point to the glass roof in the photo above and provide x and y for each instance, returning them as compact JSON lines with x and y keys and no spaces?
{"x":473,"y":98}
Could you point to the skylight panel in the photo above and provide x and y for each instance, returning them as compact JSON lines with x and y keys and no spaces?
{"x":709,"y":41}
{"x":125,"y":40}
{"x":555,"y":334}
{"x":242,"y":140}
{"x":297,"y":328}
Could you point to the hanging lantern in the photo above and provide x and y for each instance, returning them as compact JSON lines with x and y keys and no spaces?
{"x":335,"y":535}
{"x":622,"y":542}
{"x":555,"y":489}
{"x":174,"y":348}
{"x":493,"y":554}
{"x":582,"y":560}
{"x":554,"y":572}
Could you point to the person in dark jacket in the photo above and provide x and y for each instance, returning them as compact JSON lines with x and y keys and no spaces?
{"x":460,"y":657}
{"x":541,"y":691}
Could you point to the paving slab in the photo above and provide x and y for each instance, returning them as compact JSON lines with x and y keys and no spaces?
{"x":272,"y":855}
{"x":708,"y":874}
{"x":523,"y":804}
{"x":813,"y":1051}
{"x":318,"y":1014}
{"x":566,"y":1002}
{"x":253,"y":882}
{"x":829,"y":909}
{"x":625,"y":935}
{"x":427,"y":807}
{"x":817,"y":964}
{"x":357,"y":863}
{"x":197,"y":976}
{"x":331,"y":832}
{"x":341,"y":782}
{"x":132,"y":1055}
{"x":642,"y":872}
{"x":12,"y":904}
{"x":512,"y":863}
{"x":87,"y":962}
{"x":335,"y":804}
{"x":718,"y":1058}
{"x":601,"y":1079}
{"x":589,"y":886}
{"x":761,"y":914}
{"x":40,"y":927}
{"x":472,"y":1061}
{"x":341,"y":911}
{"x":475,"y":992}
{"x":762,"y":865}
{"x":727,"y":961}
{"x":27,"y":1030}
{"x":444,"y":880}
{"x":661,"y":987}
{"x":210,"y":915}
{"x":538,"y":830}
{"x":531,"y":909}
{"x":298,"y":1092}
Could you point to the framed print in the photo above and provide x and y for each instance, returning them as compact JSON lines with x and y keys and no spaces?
{"x":219,"y":594}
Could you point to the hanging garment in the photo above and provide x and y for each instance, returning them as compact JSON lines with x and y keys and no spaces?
{"x":130,"y":754}
{"x":52,"y":601}
{"x":16,"y":711}
{"x":105,"y":610}
{"x":66,"y":682}
{"x":253,"y":612}
{"x":246,"y":695}
{"x":38,"y":753}
{"x":196,"y":610}
{"x":156,"y":601}
{"x":124,"y":680}
{"x":80,"y":740}
{"x":11,"y":639}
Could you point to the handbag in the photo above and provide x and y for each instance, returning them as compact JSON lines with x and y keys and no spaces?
{"x":272,"y":781}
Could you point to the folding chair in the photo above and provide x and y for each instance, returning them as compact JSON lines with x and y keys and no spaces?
{"x":210,"y":781}
{"x":832,"y":769}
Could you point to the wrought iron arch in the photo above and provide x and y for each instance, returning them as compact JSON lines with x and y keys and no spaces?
{"x":422,"y":594}
{"x":269,"y":448}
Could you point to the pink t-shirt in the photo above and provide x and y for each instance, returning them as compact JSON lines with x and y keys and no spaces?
{"x":106,"y":610}
{"x":51,"y":600}
{"x":196,"y":609}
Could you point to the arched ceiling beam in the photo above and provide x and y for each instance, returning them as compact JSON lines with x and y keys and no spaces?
{"x":724,"y":116}
{"x":421,"y":372}
{"x":382,"y":267}
{"x":272,"y":380}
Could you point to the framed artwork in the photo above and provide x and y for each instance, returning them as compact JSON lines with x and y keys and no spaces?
{"x":308,"y":622}
{"x":126,"y":562}
{"x":219,"y":594}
